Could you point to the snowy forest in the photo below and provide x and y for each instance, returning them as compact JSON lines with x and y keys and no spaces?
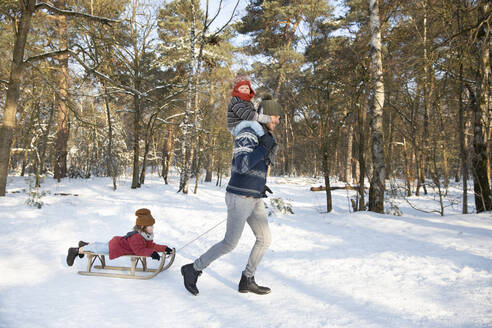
{"x":381,"y":90}
{"x":381,"y":207}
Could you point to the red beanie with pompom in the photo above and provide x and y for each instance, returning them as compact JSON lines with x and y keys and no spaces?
{"x":239,"y":81}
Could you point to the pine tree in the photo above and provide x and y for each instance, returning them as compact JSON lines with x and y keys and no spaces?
{"x":273,"y":27}
{"x":180,"y":19}
{"x":24,"y":13}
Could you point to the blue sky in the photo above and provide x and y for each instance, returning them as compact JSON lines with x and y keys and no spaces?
{"x":227,"y":8}
{"x":226,"y":11}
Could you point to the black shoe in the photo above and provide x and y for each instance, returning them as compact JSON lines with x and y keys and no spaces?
{"x":190,"y":276}
{"x":248,"y":284}
{"x":82,"y":244}
{"x":72,"y":254}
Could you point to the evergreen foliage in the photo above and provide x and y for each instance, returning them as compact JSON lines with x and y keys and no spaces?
{"x":140,"y":98}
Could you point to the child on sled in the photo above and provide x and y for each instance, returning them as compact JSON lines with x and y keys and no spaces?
{"x":139,"y":242}
{"x":241,"y":113}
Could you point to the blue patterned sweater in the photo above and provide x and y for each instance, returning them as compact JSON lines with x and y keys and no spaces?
{"x":249,"y":168}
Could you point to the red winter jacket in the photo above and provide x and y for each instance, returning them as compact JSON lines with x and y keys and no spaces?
{"x":134,"y":245}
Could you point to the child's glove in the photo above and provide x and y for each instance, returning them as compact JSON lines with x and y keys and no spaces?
{"x":168,"y":250}
{"x":156,"y":256}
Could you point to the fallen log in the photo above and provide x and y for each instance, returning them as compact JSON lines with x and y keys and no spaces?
{"x":322,"y":188}
{"x":64,"y":194}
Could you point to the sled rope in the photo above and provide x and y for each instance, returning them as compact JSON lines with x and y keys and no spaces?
{"x":190,"y":242}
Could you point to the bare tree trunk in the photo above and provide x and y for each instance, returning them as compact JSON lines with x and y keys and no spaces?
{"x":288,"y":146}
{"x":24,"y":159}
{"x":210,"y":162}
{"x":208,"y":175}
{"x":154,"y":164}
{"x":91,"y":151}
{"x":148,"y":133}
{"x":27,"y":143}
{"x":348,"y":161}
{"x":445,"y":156}
{"x":485,"y":94}
{"x":136,"y":141}
{"x":389,"y":150}
{"x":362,"y":160}
{"x":16,"y":70}
{"x":62,"y":98}
{"x":336,"y":156}
{"x":43,"y":145}
{"x":418,"y":167}
{"x":111,"y":159}
{"x":192,"y":100}
{"x":186,"y":150}
{"x":195,"y":135}
{"x":315,"y":164}
{"x":193,"y":95}
{"x":483,"y":195}
{"x":137,"y":84}
{"x":408,"y":170}
{"x":436,"y":178}
{"x":292,"y":170}
{"x":427,"y":90}
{"x":376,"y":191}
{"x":144,"y":160}
{"x":219,"y":176}
{"x":481,"y":187}
{"x":326,"y":174}
{"x":197,"y":176}
{"x":167,"y":153}
{"x":198,"y":164}
{"x":281,"y":78}
{"x":347,"y":131}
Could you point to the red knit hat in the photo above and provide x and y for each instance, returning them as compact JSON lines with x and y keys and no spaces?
{"x":239,"y":81}
{"x":144,"y":218}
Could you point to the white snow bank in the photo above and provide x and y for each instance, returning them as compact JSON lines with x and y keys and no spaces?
{"x":325,"y":270}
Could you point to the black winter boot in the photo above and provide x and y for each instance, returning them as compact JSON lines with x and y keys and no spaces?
{"x":71,"y":255}
{"x":248,"y":284}
{"x":82,"y":244}
{"x":190,"y":276}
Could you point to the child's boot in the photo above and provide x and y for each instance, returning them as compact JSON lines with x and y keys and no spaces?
{"x":82,"y":244}
{"x":71,"y":255}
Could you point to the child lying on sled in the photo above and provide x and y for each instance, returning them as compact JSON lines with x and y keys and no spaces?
{"x":137,"y":242}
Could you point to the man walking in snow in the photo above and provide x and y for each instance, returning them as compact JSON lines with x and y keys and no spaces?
{"x":253,"y":151}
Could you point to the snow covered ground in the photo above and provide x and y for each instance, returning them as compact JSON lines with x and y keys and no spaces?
{"x":326,"y":270}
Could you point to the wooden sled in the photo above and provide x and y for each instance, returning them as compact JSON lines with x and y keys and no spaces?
{"x":135,"y":259}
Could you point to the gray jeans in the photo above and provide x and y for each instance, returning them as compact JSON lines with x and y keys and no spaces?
{"x":241,"y":209}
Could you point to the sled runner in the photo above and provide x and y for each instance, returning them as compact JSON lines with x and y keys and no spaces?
{"x":135,"y":259}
